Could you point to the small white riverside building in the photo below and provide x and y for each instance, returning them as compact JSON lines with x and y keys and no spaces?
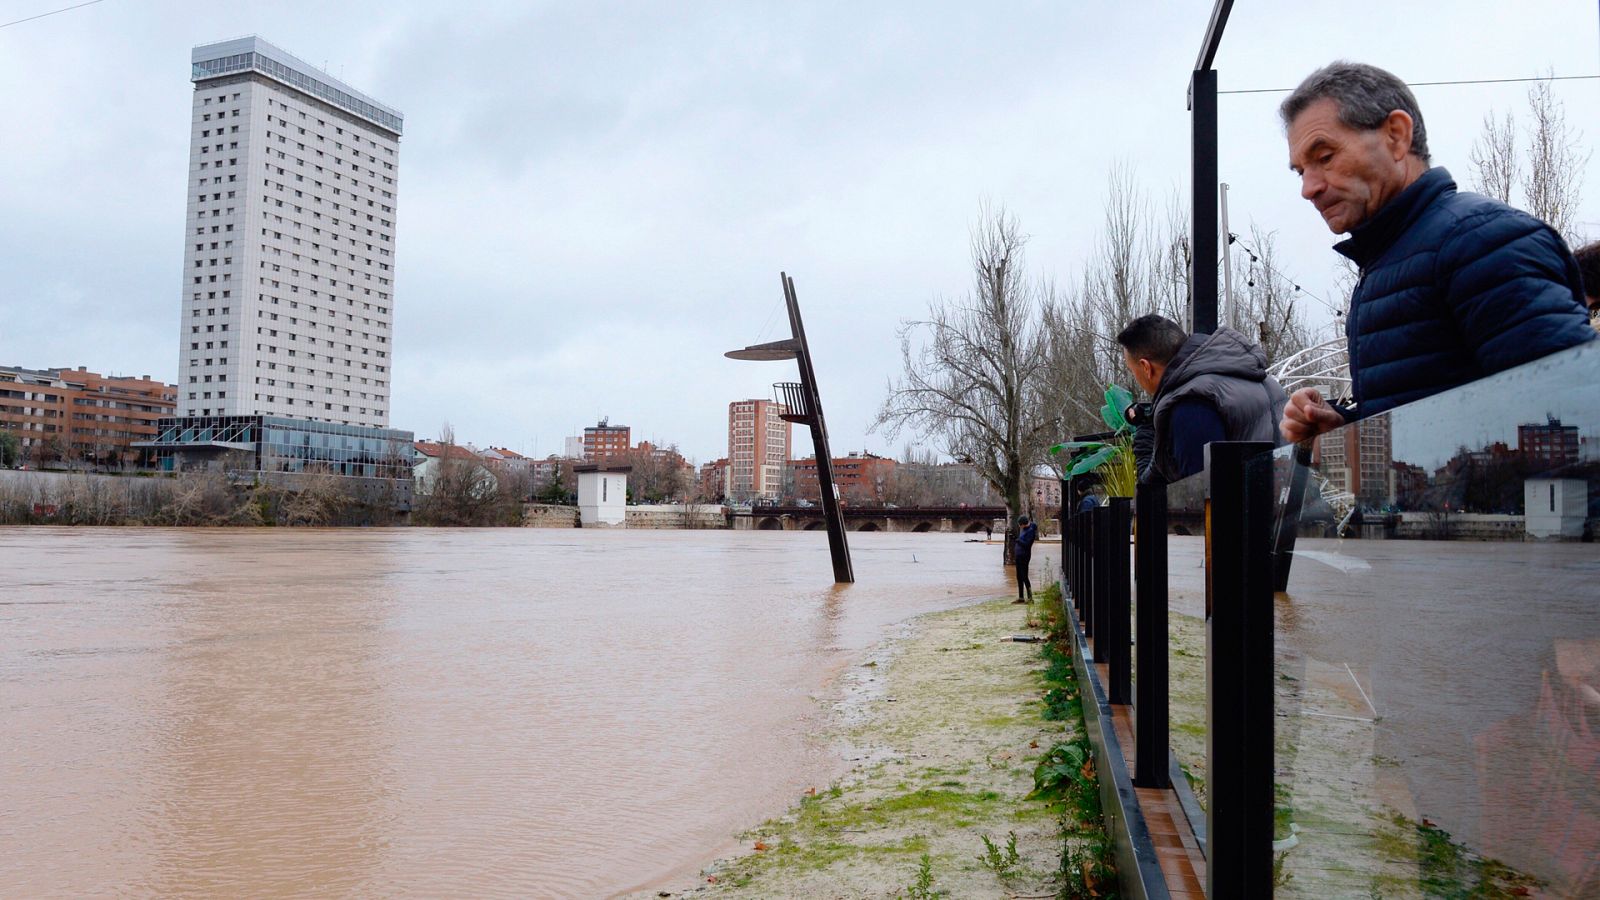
{"x":602,"y":495}
{"x":1555,"y":507}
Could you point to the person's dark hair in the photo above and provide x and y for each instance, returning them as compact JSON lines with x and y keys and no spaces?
{"x":1153,"y":337}
{"x":1022,"y":520}
{"x":1589,"y":267}
{"x":1366,"y":95}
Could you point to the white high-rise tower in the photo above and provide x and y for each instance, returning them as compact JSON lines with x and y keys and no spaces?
{"x":288,"y":289}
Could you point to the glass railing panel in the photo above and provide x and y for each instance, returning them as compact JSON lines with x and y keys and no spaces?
{"x":1438,"y":649}
{"x":1186,"y":628}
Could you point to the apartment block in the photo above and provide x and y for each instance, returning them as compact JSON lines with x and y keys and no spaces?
{"x":759,"y":443}
{"x":862,"y":478}
{"x":75,"y":415}
{"x":604,"y":441}
{"x":288,"y":289}
{"x":1360,"y":459}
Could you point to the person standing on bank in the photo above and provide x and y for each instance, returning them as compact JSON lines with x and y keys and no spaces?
{"x":1454,"y":286}
{"x":1203,"y":387}
{"x":1022,"y":554}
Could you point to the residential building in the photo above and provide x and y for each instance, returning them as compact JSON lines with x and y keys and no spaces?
{"x":604,"y":441}
{"x":759,"y":442}
{"x":1359,"y":460}
{"x":863,"y":479}
{"x":506,"y":460}
{"x":79,"y":416}
{"x":713,"y":483}
{"x":1548,"y":446}
{"x":550,"y":470}
{"x":1045,"y":491}
{"x":431,"y":458}
{"x":287,"y":304}
{"x":573,"y":448}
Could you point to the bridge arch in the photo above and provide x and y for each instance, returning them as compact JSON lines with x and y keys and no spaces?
{"x":868,"y":526}
{"x":815,"y":525}
{"x":972,"y":528}
{"x":770,"y":523}
{"x":922,"y":528}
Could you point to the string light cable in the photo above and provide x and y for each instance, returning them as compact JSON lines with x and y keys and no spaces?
{"x":1255,"y":259}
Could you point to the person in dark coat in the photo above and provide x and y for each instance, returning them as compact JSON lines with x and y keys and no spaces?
{"x":1022,"y":555}
{"x":1086,"y":498}
{"x":1588,"y":258}
{"x":1454,"y":286}
{"x":1203,"y":387}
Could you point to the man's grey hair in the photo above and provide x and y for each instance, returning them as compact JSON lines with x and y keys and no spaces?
{"x":1366,"y":95}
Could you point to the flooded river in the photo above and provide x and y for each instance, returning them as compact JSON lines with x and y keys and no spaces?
{"x":424,"y":712}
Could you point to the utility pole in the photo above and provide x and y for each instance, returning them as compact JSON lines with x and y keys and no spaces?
{"x":1227,"y":260}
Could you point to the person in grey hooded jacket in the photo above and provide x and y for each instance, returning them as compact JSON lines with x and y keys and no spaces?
{"x":1204,"y":388}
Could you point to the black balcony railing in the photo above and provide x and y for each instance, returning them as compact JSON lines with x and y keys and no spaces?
{"x":791,"y":396}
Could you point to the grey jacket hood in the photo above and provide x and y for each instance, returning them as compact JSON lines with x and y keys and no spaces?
{"x":1225,"y":352}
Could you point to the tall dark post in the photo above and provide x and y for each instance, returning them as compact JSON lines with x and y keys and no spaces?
{"x":1203,"y":201}
{"x":1203,"y":175}
{"x":804,"y":405}
{"x":838,"y":545}
{"x":1150,"y":702}
{"x":1239,"y":669}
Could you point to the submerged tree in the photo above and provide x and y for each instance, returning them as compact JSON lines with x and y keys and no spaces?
{"x":974,"y":377}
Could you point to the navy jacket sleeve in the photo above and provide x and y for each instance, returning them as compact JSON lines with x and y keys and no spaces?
{"x":1512,"y":289}
{"x":1194,"y":424}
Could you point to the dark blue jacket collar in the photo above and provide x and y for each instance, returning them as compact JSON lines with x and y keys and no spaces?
{"x":1376,"y":235}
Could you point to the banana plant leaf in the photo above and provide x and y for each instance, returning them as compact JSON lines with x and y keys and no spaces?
{"x":1076,"y":445}
{"x":1117,"y":400}
{"x":1093,"y":461}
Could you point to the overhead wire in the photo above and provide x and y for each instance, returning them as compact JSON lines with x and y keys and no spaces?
{"x":52,"y":12}
{"x":1438,"y":83}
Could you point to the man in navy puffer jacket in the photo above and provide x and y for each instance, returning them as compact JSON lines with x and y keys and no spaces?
{"x":1454,"y":286}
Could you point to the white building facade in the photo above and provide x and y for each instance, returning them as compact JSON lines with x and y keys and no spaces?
{"x":602,"y":495}
{"x":288,"y":293}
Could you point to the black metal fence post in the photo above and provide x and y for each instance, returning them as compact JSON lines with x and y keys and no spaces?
{"x":1095,"y":620}
{"x":1100,"y":519}
{"x":1119,"y":600}
{"x":1069,"y":562}
{"x":1150,"y":703}
{"x":1239,"y":664}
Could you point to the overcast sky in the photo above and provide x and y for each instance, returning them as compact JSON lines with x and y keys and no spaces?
{"x":595,"y":200}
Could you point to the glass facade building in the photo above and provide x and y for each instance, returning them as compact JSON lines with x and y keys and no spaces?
{"x":273,"y":444}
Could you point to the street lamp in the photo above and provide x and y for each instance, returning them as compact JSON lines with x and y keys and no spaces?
{"x":804,"y":405}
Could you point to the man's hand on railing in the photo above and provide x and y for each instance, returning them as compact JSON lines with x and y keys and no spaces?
{"x":1307,"y":415}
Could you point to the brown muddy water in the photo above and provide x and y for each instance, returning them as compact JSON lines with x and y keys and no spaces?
{"x":508,"y":712}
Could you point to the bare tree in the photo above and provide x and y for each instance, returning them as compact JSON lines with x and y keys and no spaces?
{"x":1117,"y":282}
{"x":1554,"y":181}
{"x":975,"y":381}
{"x":1494,"y":158}
{"x":1551,"y":177}
{"x":1170,"y":257}
{"x":1267,"y":308}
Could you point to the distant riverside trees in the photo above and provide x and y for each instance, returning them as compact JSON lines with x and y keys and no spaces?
{"x":973,"y":379}
{"x":460,"y":489}
{"x":1016,"y":364}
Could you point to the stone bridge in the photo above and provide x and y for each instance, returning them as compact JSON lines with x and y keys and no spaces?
{"x":957,"y":519}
